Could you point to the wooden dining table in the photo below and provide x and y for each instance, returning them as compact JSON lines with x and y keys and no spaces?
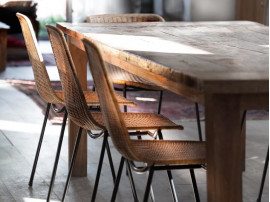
{"x":223,"y":65}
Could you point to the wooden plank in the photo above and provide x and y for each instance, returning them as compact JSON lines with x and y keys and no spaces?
{"x":80,"y":167}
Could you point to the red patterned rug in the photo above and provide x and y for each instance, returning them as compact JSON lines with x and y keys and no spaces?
{"x":174,"y":106}
{"x":23,"y":60}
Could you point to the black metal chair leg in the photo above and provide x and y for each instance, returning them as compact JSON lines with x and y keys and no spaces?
{"x":105,"y":139}
{"x":132,"y":184}
{"x":198,"y":121}
{"x":110,"y":160}
{"x":39,"y":144}
{"x":169,"y":173}
{"x":148,"y":185}
{"x":243,"y":119}
{"x":77,"y":143}
{"x":57,"y":154}
{"x":125,"y":95}
{"x":194,"y":183}
{"x":160,"y":101}
{"x":263,"y":176}
{"x":174,"y":195}
{"x":115,"y":189}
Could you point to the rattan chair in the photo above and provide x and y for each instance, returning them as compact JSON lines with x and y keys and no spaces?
{"x":157,"y":154}
{"x":85,"y":119}
{"x":45,"y":90}
{"x":129,"y":81}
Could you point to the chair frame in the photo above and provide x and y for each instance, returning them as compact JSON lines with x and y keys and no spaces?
{"x":48,"y":94}
{"x":150,"y":167}
{"x":125,"y":18}
{"x":30,"y":39}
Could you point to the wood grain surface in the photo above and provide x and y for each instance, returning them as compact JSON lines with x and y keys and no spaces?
{"x":208,"y":57}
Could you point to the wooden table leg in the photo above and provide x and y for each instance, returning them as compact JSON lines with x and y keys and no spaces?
{"x":3,"y":49}
{"x":80,"y":62}
{"x":224,"y":157}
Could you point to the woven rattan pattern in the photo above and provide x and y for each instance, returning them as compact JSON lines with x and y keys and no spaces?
{"x":73,"y":95}
{"x":170,"y":152}
{"x":143,"y":121}
{"x":92,"y":98}
{"x":75,"y":103}
{"x":42,"y":79}
{"x":118,"y":75}
{"x":178,"y":151}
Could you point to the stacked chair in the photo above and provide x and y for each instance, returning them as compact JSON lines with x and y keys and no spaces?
{"x":78,"y":112}
{"x":129,"y":81}
{"x":48,"y":94}
{"x":156,"y":154}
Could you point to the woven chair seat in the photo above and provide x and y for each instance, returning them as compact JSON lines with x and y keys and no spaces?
{"x":120,"y":76}
{"x":167,"y":152}
{"x":141,"y":121}
{"x":92,"y":98}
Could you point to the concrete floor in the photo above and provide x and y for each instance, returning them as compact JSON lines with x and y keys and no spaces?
{"x":20,"y":123}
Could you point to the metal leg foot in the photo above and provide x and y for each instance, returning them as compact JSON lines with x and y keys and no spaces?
{"x":100,"y":166}
{"x":39,"y":144}
{"x":57,"y":155}
{"x":194,"y":183}
{"x":148,"y":185}
{"x":115,"y":189}
{"x":263,"y":176}
{"x":72,"y":163}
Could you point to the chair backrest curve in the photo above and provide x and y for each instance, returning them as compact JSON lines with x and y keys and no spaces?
{"x":73,"y":94}
{"x":112,"y":115}
{"x":41,"y":76}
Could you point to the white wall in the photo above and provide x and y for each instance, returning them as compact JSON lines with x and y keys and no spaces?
{"x":204,"y":10}
{"x":83,"y":8}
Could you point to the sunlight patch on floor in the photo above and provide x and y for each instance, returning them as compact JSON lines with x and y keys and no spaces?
{"x":23,"y":127}
{"x":36,"y":200}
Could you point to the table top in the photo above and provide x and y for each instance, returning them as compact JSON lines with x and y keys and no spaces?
{"x":207,"y":57}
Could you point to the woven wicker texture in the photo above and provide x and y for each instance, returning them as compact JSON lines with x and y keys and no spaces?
{"x":118,"y":75}
{"x":143,"y":121}
{"x":42,"y":79}
{"x":73,"y":94}
{"x":170,"y":152}
{"x":75,"y":102}
{"x":92,"y":98}
{"x":186,"y":152}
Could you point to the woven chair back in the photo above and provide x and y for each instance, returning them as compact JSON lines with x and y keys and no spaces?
{"x":41,"y":76}
{"x":122,"y":18}
{"x":73,"y":94}
{"x":110,"y":109}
